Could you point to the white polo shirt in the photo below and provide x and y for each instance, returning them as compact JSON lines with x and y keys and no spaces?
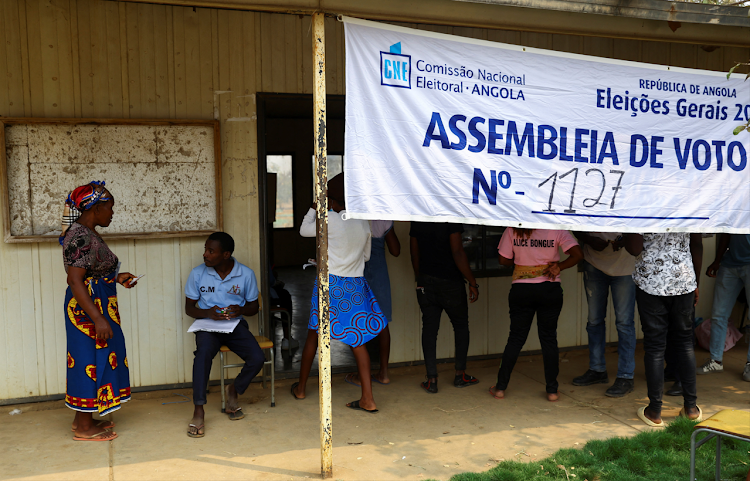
{"x":209,"y":289}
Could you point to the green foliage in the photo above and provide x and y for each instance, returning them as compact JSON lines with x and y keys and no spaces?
{"x":662,"y":455}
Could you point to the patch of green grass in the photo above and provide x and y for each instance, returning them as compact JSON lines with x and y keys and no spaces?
{"x":662,"y":455}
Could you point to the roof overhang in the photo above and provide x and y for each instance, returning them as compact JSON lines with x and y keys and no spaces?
{"x":701,"y":13}
{"x":524,"y":15}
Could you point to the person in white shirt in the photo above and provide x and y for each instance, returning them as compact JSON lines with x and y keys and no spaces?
{"x":608,"y":267}
{"x":355,"y":316}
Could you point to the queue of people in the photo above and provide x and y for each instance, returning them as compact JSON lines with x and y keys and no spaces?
{"x":658,"y":272}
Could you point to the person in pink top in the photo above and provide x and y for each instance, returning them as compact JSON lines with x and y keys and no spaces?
{"x":535,"y":290}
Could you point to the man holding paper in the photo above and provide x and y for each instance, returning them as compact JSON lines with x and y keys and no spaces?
{"x":218,"y":294}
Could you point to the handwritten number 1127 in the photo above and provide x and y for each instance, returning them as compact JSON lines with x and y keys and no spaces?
{"x":589,"y":202}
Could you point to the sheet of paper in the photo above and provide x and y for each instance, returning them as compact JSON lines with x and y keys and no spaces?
{"x":209,"y":325}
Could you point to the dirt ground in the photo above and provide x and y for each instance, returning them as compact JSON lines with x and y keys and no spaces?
{"x":414,"y":436}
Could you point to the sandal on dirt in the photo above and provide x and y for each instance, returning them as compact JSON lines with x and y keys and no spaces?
{"x":355,"y":405}
{"x":348,"y":380}
{"x":294,"y":386}
{"x":236,"y":415}
{"x":698,"y":419}
{"x":200,"y":431}
{"x":101,"y":424}
{"x":642,"y":415}
{"x":379,"y":381}
{"x":97,"y":437}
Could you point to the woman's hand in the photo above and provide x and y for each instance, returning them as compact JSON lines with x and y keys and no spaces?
{"x":103,"y":329}
{"x":125,"y":277}
{"x":553,"y":270}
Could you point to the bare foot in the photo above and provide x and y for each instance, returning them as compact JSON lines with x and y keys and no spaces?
{"x":368,"y":404}
{"x":382,"y":378}
{"x":353,"y":378}
{"x":100,"y":433}
{"x":104,"y":424}
{"x":233,"y":401}
{"x":196,"y":428}
{"x":651,"y":415}
{"x":298,"y":391}
{"x":692,"y":413}
{"x":553,"y":396}
{"x":496,"y":393}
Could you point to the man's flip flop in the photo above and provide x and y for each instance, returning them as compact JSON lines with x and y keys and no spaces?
{"x":97,"y":437}
{"x":355,"y":405}
{"x":199,"y":431}
{"x":698,"y":419}
{"x":101,"y":424}
{"x":379,"y":381}
{"x":236,"y":415}
{"x":294,"y":386}
{"x":642,"y":415}
{"x":348,"y":380}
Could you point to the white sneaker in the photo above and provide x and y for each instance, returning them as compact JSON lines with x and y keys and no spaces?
{"x":285,"y":343}
{"x":746,"y":373}
{"x":710,"y":366}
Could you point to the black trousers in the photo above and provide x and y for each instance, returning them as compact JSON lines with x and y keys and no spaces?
{"x":544,"y":299}
{"x":436,"y":295}
{"x":241,"y":342}
{"x":667,"y":318}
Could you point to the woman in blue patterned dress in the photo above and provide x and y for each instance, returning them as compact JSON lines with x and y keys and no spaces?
{"x":97,"y":376}
{"x":355,"y":315}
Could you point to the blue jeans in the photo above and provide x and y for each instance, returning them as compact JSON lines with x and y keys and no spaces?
{"x":597,"y":286}
{"x":729,"y":282}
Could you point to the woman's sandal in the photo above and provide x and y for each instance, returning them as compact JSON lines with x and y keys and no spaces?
{"x":100,"y":424}
{"x":97,"y":437}
{"x":200,"y":431}
{"x":355,"y":405}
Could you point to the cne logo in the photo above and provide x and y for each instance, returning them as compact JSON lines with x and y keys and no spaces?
{"x":395,"y":68}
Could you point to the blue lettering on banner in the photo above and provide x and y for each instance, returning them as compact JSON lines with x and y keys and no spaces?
{"x":550,"y":143}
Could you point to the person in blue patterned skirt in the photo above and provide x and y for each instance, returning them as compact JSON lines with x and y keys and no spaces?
{"x":355,"y":315}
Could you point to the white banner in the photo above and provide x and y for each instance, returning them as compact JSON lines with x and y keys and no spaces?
{"x":452,"y":129}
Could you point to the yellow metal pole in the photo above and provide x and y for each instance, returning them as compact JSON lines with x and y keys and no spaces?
{"x":321,"y":196}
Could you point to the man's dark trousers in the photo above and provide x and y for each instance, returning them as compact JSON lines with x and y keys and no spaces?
{"x":436,"y":295}
{"x":241,"y":342}
{"x":662,"y":318}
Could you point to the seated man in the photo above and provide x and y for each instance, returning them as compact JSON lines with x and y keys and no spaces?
{"x":221,"y":290}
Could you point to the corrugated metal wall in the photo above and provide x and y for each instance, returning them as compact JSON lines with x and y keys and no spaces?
{"x":91,"y":58}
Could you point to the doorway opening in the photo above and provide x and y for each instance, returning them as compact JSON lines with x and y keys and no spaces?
{"x":285,"y":164}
